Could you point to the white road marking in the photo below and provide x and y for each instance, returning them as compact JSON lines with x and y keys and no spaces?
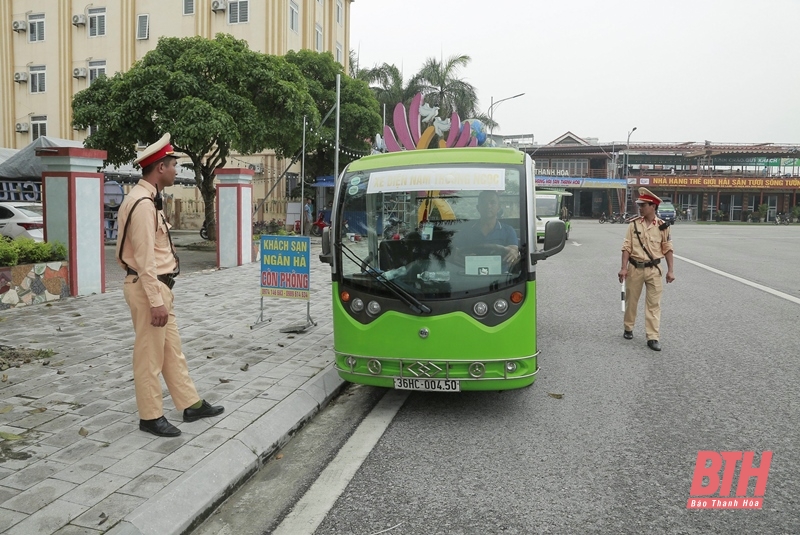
{"x":576,"y":244}
{"x":761,"y":287}
{"x":312,"y":508}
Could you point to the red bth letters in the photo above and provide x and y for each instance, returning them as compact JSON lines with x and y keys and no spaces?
{"x":720,"y":469}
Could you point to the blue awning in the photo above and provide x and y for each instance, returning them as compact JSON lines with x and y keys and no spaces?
{"x":324,"y":182}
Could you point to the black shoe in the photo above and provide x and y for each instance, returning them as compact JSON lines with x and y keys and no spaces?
{"x":627,"y":335}
{"x":205,"y":410}
{"x":159,"y":427}
{"x":654,"y":345}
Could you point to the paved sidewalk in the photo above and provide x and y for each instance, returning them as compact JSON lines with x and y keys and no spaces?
{"x":83,"y":466}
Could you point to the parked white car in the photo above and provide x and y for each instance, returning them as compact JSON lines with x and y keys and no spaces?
{"x":22,"y":220}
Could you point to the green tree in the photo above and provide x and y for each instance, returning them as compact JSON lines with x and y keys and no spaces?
{"x":386,"y":82}
{"x":213,"y":95}
{"x":439,"y":82}
{"x":359,"y":118}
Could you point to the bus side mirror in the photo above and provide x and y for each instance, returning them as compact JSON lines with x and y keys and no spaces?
{"x":555,"y":237}
{"x":326,"y":255}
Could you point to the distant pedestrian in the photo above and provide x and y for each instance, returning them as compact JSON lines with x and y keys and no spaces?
{"x":146,"y":252}
{"x":647,"y":241}
{"x":309,"y":219}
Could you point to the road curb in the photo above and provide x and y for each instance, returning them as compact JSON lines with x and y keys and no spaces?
{"x":187,"y":501}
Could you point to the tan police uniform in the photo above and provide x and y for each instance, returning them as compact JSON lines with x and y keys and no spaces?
{"x":642,"y":271}
{"x":147,"y":253}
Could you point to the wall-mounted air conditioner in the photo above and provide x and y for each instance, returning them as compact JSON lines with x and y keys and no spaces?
{"x":19,"y":26}
{"x":22,"y":127}
{"x":79,"y":72}
{"x":21,"y":77}
{"x":79,"y":20}
{"x":218,"y":5}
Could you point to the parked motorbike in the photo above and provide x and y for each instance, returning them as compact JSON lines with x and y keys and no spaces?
{"x":204,"y":231}
{"x":393,"y":227}
{"x":619,"y":217}
{"x":782,"y":219}
{"x":603,"y":218}
{"x":318,"y":225}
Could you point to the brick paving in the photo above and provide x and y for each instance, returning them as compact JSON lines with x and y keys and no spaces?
{"x":83,"y":466}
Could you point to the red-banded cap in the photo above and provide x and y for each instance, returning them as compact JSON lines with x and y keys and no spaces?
{"x":645,"y":195}
{"x":156,"y":151}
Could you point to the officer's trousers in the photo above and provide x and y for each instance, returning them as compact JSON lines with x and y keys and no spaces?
{"x":157,"y":351}
{"x":651,"y":278}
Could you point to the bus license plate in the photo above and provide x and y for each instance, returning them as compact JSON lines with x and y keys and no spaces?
{"x":427,"y":385}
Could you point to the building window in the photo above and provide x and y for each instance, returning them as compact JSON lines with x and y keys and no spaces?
{"x":339,"y":54}
{"x":97,"y":21}
{"x":142,"y":27}
{"x":188,"y":7}
{"x":339,"y":12}
{"x":36,"y":28}
{"x":238,"y":11}
{"x":96,"y":68}
{"x":573,"y":166}
{"x":38,"y":126}
{"x":36,"y":79}
{"x":294,"y":17}
{"x":318,"y":39}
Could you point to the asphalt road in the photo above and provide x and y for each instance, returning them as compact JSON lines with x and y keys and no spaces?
{"x":616,"y":453}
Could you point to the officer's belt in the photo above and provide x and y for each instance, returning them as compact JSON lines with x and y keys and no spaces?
{"x":639,"y":264}
{"x":167,"y":278}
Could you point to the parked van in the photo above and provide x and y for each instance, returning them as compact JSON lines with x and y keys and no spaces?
{"x":548,"y":208}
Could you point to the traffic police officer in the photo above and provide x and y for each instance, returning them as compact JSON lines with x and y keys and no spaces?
{"x":646,"y":243}
{"x":145,"y":251}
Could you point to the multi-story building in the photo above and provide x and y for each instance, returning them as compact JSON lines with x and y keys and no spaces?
{"x":51,"y":49}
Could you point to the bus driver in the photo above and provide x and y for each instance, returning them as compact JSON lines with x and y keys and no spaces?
{"x":489,"y":231}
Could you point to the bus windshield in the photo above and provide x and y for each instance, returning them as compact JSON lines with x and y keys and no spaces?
{"x":433,"y":232}
{"x":547,"y":205}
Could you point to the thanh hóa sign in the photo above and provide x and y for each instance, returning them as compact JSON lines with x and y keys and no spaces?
{"x":285,"y":266}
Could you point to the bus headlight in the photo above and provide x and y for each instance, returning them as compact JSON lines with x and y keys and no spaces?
{"x":373,"y":308}
{"x":511,"y":366}
{"x":480,"y":308}
{"x":501,"y":306}
{"x":357,"y":305}
{"x":351,"y":361}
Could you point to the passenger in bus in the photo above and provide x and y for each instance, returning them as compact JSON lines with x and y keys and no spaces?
{"x":489,"y":231}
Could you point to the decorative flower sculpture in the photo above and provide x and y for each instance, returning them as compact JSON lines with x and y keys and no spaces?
{"x":408,"y":128}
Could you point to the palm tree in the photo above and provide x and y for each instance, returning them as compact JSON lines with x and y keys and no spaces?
{"x":439,"y":82}
{"x":388,"y":86}
{"x":386,"y":83}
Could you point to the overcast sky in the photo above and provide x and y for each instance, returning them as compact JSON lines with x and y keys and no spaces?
{"x":678,"y":70}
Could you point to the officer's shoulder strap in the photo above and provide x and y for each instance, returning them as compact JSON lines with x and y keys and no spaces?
{"x":128,"y":224}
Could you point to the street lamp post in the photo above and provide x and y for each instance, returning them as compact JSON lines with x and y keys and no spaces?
{"x":490,"y":111}
{"x":627,"y":189}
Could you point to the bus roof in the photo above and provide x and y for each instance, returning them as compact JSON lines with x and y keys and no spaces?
{"x":439,"y":156}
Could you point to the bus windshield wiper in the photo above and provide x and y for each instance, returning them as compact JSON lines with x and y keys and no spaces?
{"x":412,"y":302}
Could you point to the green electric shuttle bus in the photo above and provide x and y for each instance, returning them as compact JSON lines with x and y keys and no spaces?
{"x":433,"y":259}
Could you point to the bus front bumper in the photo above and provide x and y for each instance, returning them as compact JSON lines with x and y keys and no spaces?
{"x":438,"y":375}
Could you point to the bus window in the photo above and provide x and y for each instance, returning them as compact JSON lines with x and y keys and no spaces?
{"x":432,"y":243}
